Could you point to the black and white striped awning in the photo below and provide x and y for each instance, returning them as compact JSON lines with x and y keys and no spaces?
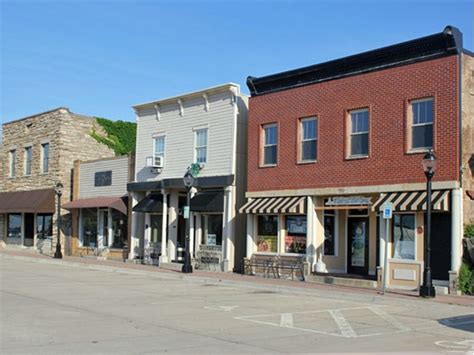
{"x":413,"y":201}
{"x":270,"y":205}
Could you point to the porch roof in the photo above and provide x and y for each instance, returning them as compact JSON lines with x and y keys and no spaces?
{"x":115,"y":202}
{"x":34,"y":201}
{"x":208,"y":201}
{"x":152,"y":203}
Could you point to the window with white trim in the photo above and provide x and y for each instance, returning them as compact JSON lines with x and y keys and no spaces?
{"x":359,"y":133}
{"x":45,"y":157}
{"x":12,"y":163}
{"x":309,"y":139}
{"x":404,"y":236}
{"x":28,"y":160}
{"x":270,"y":144}
{"x":330,"y":232}
{"x":422,"y":124}
{"x":267,"y":233}
{"x":159,"y":146}
{"x":200,"y":145}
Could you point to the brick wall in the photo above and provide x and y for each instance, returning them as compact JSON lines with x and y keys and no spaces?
{"x":386,"y":93}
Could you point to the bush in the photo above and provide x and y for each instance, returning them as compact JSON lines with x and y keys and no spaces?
{"x":469,"y":231}
{"x":465,"y":279}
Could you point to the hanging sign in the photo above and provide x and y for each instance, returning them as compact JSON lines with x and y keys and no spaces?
{"x":186,"y":212}
{"x":348,"y":201}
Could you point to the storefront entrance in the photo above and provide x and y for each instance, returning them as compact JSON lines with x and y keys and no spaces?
{"x":358,"y":245}
{"x":29,"y":230}
{"x":440,"y":245}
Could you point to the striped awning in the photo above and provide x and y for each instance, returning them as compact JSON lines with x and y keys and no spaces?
{"x":269,"y":205}
{"x":413,"y":201}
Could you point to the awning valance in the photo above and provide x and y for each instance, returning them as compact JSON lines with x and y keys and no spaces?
{"x":413,"y":201}
{"x":34,"y":201}
{"x":116,"y":202}
{"x":269,"y":205}
{"x":208,"y":201}
{"x":152,"y":203}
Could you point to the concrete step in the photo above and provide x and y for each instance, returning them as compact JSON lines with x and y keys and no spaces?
{"x":172,"y":266}
{"x":342,"y":281}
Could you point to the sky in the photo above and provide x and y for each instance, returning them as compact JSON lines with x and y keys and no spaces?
{"x":101,"y":57}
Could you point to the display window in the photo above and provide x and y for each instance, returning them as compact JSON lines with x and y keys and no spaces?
{"x":267,"y":238}
{"x":329,"y":232}
{"x":404,"y":236}
{"x":295,"y":238}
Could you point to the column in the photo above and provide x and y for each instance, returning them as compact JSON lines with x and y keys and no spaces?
{"x":133,"y":229}
{"x":456,"y":229}
{"x":228,"y":227}
{"x":173,"y":226}
{"x":22,"y":229}
{"x":250,"y":235}
{"x":191,"y":226}
{"x":382,"y":245}
{"x":198,"y":231}
{"x":164,"y":225}
{"x":147,"y":235}
{"x":100,"y":228}
{"x":110,"y":229}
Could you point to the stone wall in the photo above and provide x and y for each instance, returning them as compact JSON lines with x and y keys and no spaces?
{"x":468,"y":136}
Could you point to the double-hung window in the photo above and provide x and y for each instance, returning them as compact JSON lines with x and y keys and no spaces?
{"x":270,"y":144}
{"x":159,"y":147}
{"x":309,"y":138}
{"x":200,"y":145}
{"x":45,"y":157}
{"x":12,"y":157}
{"x":28,"y":160}
{"x":422,"y":124}
{"x":359,"y":133}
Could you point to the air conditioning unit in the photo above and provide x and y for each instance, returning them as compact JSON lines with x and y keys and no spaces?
{"x":155,"y":163}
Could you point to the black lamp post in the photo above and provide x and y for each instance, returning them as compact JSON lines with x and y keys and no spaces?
{"x":429,"y":166}
{"x":58,"y":189}
{"x":188,"y":180}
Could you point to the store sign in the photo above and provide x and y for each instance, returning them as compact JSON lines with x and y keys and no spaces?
{"x":186,"y":212}
{"x":349,"y":201}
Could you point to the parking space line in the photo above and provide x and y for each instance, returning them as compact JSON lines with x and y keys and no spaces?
{"x":343,"y":324}
{"x":389,"y":319}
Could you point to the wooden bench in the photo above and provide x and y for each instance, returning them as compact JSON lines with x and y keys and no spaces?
{"x":264,"y":262}
{"x":293,"y":264}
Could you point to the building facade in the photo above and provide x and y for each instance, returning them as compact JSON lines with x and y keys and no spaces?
{"x":330,"y":144}
{"x":99,"y":207}
{"x":38,"y":151}
{"x":208,"y":128}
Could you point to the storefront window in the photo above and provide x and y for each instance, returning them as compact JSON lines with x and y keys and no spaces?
{"x":119,"y":229}
{"x":14,"y":226}
{"x":267,"y":239}
{"x":404,"y":236}
{"x":329,"y":232}
{"x":44,"y":225}
{"x":213,"y":229}
{"x":156,"y":221}
{"x":89,"y":227}
{"x":295,"y":239}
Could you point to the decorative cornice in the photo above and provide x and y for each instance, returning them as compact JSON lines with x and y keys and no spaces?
{"x":181,"y":108}
{"x":206,"y":102}
{"x":157,"y":111}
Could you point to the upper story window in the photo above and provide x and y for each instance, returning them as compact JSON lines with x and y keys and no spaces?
{"x":159,"y":146}
{"x":12,"y":163}
{"x":28,"y":159}
{"x":359,"y":133}
{"x":270,"y":144}
{"x":200,"y":145}
{"x":45,"y":157}
{"x":309,"y":139}
{"x":421,"y":124}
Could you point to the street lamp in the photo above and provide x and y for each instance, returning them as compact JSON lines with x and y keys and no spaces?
{"x":188,"y":180}
{"x":58,"y":189}
{"x":429,"y":167}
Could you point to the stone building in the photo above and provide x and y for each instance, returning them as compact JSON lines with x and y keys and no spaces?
{"x":37,"y":152}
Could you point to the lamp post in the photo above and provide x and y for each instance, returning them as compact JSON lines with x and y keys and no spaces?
{"x":429,"y":167}
{"x":58,"y":189}
{"x":188,"y":180}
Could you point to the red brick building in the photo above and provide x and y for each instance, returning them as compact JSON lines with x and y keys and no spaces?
{"x":329,"y":144}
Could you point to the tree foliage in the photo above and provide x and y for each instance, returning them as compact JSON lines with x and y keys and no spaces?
{"x":120,"y":136}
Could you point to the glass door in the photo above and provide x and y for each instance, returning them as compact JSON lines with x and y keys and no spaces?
{"x":358,"y":245}
{"x":103,"y":228}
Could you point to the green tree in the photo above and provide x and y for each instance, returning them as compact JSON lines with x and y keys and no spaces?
{"x":120,"y":135}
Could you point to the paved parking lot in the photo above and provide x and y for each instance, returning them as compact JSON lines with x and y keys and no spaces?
{"x":48,"y":308}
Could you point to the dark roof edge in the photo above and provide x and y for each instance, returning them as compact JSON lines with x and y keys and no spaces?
{"x":449,"y":32}
{"x":468,"y":52}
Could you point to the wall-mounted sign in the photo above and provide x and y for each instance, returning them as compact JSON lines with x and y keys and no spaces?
{"x":387,"y":210}
{"x":348,"y":201}
{"x":103,"y":178}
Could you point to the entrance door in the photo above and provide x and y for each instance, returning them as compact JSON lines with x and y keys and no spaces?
{"x":440,"y":245}
{"x":103,"y":228}
{"x":358,"y":245}
{"x":29,"y":229}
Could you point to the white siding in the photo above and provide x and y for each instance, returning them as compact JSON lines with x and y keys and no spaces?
{"x":119,"y":168}
{"x":179,"y":149}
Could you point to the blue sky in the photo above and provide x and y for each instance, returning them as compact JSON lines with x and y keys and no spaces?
{"x":100,"y":57}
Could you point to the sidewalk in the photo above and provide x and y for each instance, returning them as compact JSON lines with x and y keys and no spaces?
{"x":233,"y":278}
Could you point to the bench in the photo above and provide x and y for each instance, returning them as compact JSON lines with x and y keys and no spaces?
{"x":276,"y":264}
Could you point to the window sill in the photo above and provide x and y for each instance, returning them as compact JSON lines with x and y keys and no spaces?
{"x":44,"y":173}
{"x":356,"y":157}
{"x":25,"y":176}
{"x":418,"y":151}
{"x":330,"y":256}
{"x":403,"y":261}
{"x":11,"y":177}
{"x":306,"y":162}
{"x":268,"y":166}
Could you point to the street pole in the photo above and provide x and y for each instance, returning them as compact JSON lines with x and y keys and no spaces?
{"x":385,"y":261}
{"x":427,"y":290}
{"x":58,"y":254}
{"x":187,"y":267}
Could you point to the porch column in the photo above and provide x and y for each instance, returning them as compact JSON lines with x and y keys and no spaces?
{"x":133,"y":229}
{"x":146,"y":236}
{"x":456,"y":229}
{"x":191,"y":226}
{"x":164,"y":237}
{"x":382,"y":245}
{"x":173,"y":226}
{"x":22,"y":238}
{"x":198,"y":231}
{"x":35,"y":228}
{"x":110,"y":230}
{"x":228,"y":227}
{"x":250,"y":235}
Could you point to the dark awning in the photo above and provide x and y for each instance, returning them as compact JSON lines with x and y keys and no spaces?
{"x":152,"y":203}
{"x":208,"y":201}
{"x":116,"y":202}
{"x":34,"y":201}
